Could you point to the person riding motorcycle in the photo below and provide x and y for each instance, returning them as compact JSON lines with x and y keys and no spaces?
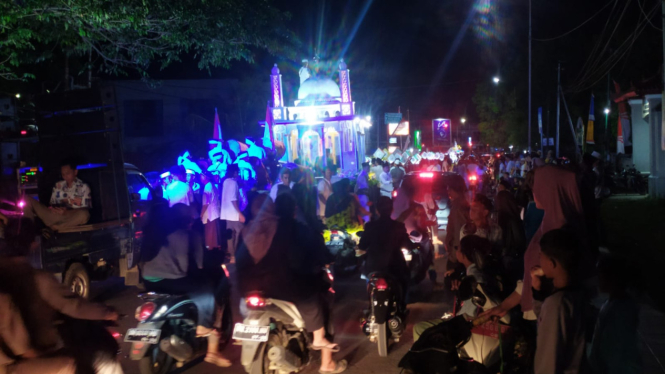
{"x":343,"y":209}
{"x":282,"y":259}
{"x":383,"y":241}
{"x":40,"y":299}
{"x":171,"y":260}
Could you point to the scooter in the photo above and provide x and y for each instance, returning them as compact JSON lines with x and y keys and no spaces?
{"x":273,"y":334}
{"x":386,"y":317}
{"x":166,"y":334}
{"x":342,"y":245}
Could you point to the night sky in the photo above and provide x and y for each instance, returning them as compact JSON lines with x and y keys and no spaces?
{"x":428,"y":56}
{"x":405,"y":53}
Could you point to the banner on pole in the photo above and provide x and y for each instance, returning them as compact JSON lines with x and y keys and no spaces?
{"x":540,"y":120}
{"x":624,"y":117}
{"x":579,"y":131}
{"x":620,"y":145}
{"x":589,"y":127}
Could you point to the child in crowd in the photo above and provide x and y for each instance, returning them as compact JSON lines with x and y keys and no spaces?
{"x":615,"y":345}
{"x":560,"y":347}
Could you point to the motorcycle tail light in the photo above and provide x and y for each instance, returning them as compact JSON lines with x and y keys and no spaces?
{"x":395,"y":193}
{"x":473,"y":177}
{"x":427,"y":175}
{"x":381,"y":284}
{"x":255,"y":302}
{"x":330,"y":276}
{"x":21,"y":204}
{"x":145,"y":311}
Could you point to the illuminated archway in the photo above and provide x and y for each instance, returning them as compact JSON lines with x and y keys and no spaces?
{"x":311,"y":147}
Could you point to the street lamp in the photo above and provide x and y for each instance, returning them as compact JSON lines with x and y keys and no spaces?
{"x":463,"y":120}
{"x":18,"y":95}
{"x":607,"y":111}
{"x":496,"y":80}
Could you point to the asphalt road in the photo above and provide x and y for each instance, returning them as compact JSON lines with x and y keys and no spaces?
{"x":350,"y":300}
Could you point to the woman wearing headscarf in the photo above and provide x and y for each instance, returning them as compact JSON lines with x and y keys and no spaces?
{"x":343,"y":208}
{"x":512,"y":230}
{"x":555,"y":191}
{"x":282,"y":258}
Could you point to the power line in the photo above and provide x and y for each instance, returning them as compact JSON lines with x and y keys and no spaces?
{"x":599,"y":73}
{"x":575,"y":28}
{"x":647,"y":17}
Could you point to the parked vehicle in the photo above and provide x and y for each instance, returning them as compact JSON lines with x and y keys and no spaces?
{"x":385,"y":319}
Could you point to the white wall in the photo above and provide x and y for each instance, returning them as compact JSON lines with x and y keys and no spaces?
{"x":640,"y":137}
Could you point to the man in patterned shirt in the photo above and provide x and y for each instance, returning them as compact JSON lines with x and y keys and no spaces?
{"x":69,"y":205}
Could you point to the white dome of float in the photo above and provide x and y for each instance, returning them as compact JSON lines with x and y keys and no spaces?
{"x":319,"y":88}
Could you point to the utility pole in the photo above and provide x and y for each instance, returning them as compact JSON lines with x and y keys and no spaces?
{"x":530,"y":77}
{"x":558,"y":107}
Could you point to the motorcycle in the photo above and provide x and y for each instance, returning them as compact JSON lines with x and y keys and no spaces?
{"x":166,"y":334}
{"x":273,"y":334}
{"x":342,"y":245}
{"x":386,"y":318}
{"x":419,"y":257}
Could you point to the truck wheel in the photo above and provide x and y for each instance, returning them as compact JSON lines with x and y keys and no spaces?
{"x":78,"y":280}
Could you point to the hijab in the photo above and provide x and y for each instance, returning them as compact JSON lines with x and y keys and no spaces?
{"x":260,"y":231}
{"x":506,"y":208}
{"x":555,"y":191}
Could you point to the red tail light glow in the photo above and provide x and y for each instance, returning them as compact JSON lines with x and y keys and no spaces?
{"x":145,"y":311}
{"x":395,"y":193}
{"x":473,"y":178}
{"x":331,"y":277}
{"x":21,"y":204}
{"x":256,"y":302}
{"x":427,"y":175}
{"x":381,"y":284}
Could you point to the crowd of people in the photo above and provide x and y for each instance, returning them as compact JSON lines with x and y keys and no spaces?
{"x":528,"y":237}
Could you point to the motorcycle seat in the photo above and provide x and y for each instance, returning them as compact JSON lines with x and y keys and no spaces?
{"x":153,"y":295}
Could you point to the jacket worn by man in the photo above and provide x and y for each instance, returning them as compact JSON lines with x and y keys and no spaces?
{"x":383,"y":240}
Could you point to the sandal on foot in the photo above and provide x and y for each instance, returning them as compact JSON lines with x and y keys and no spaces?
{"x":202,"y":332}
{"x":340,"y":366}
{"x":332,"y":346}
{"x":217,"y":359}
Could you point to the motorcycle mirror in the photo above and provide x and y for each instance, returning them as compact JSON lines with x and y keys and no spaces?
{"x":478,"y":299}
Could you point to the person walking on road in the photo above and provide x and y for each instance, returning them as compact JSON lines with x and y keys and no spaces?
{"x":230,"y":211}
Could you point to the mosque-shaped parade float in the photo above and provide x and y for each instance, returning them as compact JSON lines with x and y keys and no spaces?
{"x":321,"y":126}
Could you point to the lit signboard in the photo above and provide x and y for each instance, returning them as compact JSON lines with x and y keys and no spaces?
{"x":395,"y":129}
{"x":441,"y":131}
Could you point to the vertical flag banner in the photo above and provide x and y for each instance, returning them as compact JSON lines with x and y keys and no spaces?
{"x":620,"y":148}
{"x":624,"y":117}
{"x":217,"y":132}
{"x":579,"y":131}
{"x":589,"y":126}
{"x":540,"y":120}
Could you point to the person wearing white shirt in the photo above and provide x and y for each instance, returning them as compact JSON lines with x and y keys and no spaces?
{"x":284,"y":179}
{"x":386,"y":181}
{"x":230,"y":208}
{"x":210,"y":210}
{"x":178,"y":192}
{"x":324,"y":189}
{"x":377,"y":167}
